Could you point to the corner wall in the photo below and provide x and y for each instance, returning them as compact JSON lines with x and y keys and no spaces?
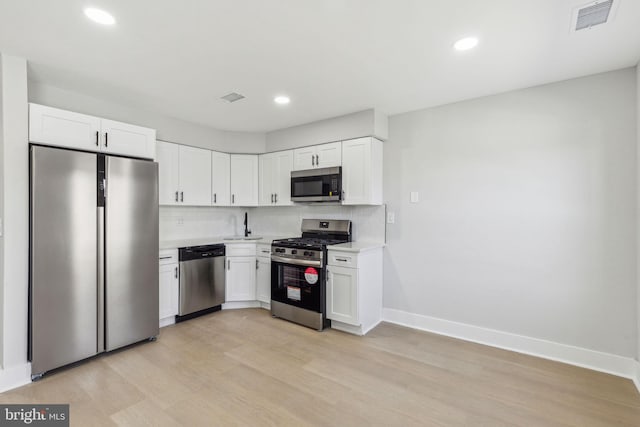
{"x":526,"y":221}
{"x":15,"y":180}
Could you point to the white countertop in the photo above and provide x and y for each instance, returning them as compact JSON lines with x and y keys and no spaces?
{"x":356,"y":246}
{"x":183,"y":243}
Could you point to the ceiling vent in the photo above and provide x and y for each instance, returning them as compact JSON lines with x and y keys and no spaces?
{"x":592,"y":14}
{"x":232,"y":97}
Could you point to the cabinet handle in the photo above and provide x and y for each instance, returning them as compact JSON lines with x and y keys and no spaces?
{"x":313,"y":160}
{"x":233,"y":198}
{"x":176,"y":272}
{"x":182,"y":196}
{"x":214,"y":198}
{"x":228,"y":264}
{"x":271,"y":197}
{"x":106,"y":139}
{"x":342,"y":259}
{"x":97,"y":138}
{"x":276,"y":197}
{"x":256,"y":264}
{"x":176,"y":196}
{"x":317,"y":160}
{"x":165,"y":257}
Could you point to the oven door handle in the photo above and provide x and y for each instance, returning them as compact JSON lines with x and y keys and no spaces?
{"x":284,"y":260}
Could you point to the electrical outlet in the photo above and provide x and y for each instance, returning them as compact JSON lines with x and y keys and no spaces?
{"x":415,"y":198}
{"x":391,"y":217}
{"x":180,"y":221}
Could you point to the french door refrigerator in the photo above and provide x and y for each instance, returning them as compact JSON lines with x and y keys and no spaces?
{"x":93,"y":255}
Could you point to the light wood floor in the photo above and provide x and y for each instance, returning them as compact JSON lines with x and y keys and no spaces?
{"x":241,"y":367}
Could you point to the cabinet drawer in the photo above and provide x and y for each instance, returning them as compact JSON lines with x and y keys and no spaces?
{"x":241,"y":249}
{"x":264,"y":250}
{"x":168,"y":256}
{"x":343,"y":259}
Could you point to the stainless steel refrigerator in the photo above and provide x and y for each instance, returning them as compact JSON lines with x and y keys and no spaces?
{"x":94,"y":255}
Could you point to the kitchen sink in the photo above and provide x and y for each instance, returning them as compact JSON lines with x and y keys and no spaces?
{"x":242,"y":238}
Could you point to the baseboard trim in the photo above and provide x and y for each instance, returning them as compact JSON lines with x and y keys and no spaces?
{"x":240,"y":304}
{"x":636,"y":376}
{"x":604,"y":362}
{"x":15,"y":376}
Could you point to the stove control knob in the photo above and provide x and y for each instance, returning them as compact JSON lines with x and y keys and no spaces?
{"x":308,"y":253}
{"x":280,"y":251}
{"x":293,"y":251}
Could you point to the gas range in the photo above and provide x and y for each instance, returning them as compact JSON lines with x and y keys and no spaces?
{"x":310,"y":248}
{"x":298,"y":271}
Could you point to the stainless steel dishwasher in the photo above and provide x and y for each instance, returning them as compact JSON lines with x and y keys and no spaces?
{"x":202,"y":280}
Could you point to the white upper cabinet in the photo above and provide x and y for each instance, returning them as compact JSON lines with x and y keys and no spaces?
{"x":244,"y":180}
{"x":167,"y":156}
{"x":275,"y":178}
{"x":126,"y":139}
{"x":184,"y":175}
{"x":53,"y":126}
{"x":329,"y":155}
{"x":195,"y":176}
{"x":318,"y":156}
{"x":220,"y":179}
{"x":362,"y":172}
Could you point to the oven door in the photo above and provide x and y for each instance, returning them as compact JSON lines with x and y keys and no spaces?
{"x":298,"y":285}
{"x":317,"y":185}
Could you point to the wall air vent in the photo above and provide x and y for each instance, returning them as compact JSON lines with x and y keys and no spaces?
{"x":592,"y":14}
{"x":232,"y":97}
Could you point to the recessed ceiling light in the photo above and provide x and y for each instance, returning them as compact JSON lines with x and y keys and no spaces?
{"x":282,"y":100}
{"x":466,"y":43}
{"x":99,"y":16}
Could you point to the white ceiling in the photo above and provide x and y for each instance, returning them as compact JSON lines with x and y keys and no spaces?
{"x":331,"y":57}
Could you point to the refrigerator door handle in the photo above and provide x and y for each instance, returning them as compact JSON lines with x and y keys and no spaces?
{"x":101,"y":325}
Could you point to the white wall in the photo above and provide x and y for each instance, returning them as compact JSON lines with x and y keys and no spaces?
{"x":196,"y":222}
{"x":638,"y":238}
{"x":15,"y":183}
{"x":527,"y":216}
{"x":168,"y":129}
{"x":355,"y":125}
{"x":2,"y":180}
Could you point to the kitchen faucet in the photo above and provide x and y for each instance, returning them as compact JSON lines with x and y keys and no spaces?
{"x":246,"y":223}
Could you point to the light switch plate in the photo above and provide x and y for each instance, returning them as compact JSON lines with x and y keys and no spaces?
{"x":391,"y":217}
{"x":415,"y":197}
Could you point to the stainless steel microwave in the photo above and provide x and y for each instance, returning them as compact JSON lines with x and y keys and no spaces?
{"x":317,"y":185}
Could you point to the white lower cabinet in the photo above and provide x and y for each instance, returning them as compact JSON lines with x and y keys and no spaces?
{"x":263,"y":275}
{"x":241,"y":272}
{"x":354,"y":290}
{"x":169,"y":284}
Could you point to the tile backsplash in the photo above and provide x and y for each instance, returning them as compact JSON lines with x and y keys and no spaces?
{"x":180,"y":222}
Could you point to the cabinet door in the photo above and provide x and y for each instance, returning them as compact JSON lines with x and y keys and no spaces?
{"x":281,"y":178}
{"x":53,"y":126}
{"x":167,"y":156}
{"x":362,"y":171}
{"x":329,"y":155}
{"x":304,"y":158}
{"x":220,"y":179}
{"x":342,"y":294}
{"x":263,"y":280}
{"x":128,"y":140}
{"x":169,"y":288}
{"x":241,"y":279}
{"x":244,"y":180}
{"x":356,"y":171}
{"x":267,"y":165}
{"x":195,"y":176}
